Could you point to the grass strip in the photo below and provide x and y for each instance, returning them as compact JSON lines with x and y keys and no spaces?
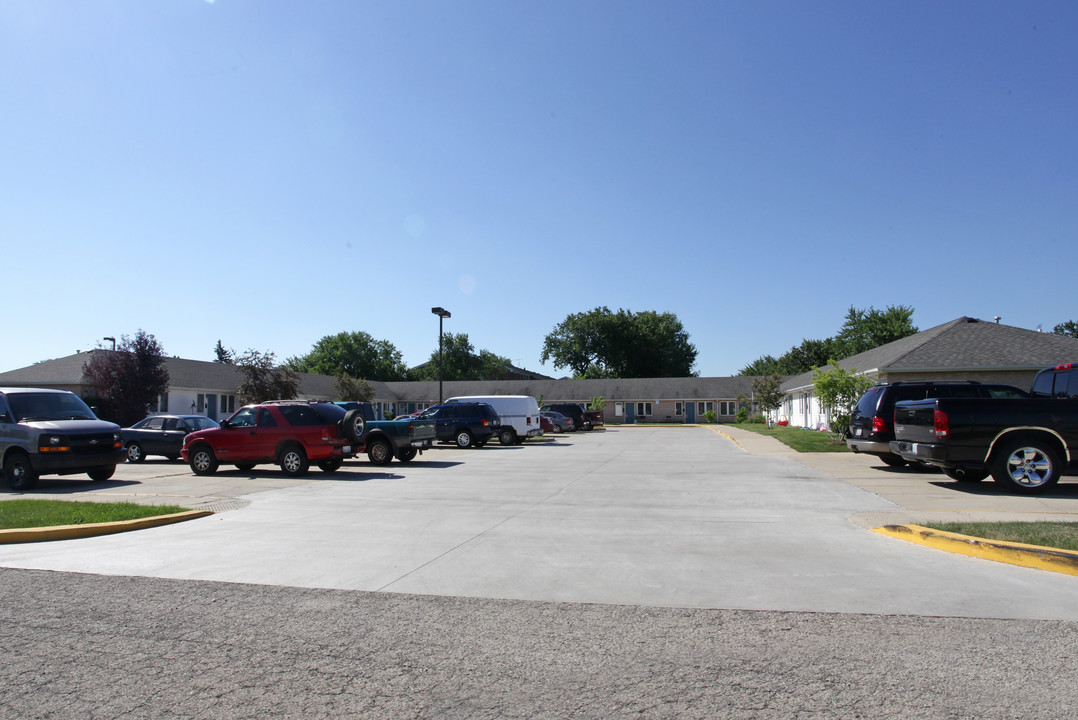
{"x":799,"y":439}
{"x":1061,"y":535}
{"x":27,"y":513}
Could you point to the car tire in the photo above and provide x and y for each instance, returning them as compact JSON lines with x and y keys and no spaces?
{"x":102,"y":474}
{"x":965,"y":475}
{"x":293,"y":461}
{"x":464,"y":438}
{"x":202,"y":460}
{"x":506,"y":436}
{"x":19,"y":472}
{"x":134,"y":453}
{"x":353,"y":425}
{"x":892,"y":460}
{"x":329,"y":466}
{"x":379,"y":451}
{"x":1026,"y":466}
{"x":408,"y":455}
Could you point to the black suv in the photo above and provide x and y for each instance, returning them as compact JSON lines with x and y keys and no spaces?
{"x":465,"y":424}
{"x":872,"y":422}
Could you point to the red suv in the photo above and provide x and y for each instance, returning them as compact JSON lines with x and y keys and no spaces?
{"x":292,"y":434}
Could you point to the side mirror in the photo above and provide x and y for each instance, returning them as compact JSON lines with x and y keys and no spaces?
{"x":5,"y":418}
{"x":226,"y":424}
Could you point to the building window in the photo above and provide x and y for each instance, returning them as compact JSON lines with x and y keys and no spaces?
{"x":201,"y":403}
{"x":679,"y":408}
{"x":704,"y":407}
{"x":643,"y":409}
{"x":727,"y":407}
{"x":619,"y":409}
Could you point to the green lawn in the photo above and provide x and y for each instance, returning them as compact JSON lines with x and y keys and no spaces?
{"x":18,"y":514}
{"x":799,"y":439}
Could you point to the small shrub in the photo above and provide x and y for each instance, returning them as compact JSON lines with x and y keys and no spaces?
{"x":742,"y":415}
{"x":709,"y":416}
{"x":758,"y":419}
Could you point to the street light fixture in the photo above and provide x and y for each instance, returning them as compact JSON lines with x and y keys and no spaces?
{"x":442,"y":314}
{"x":113,"y":341}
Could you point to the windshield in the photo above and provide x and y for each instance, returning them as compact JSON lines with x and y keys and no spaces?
{"x":202,"y":423}
{"x":49,"y":406}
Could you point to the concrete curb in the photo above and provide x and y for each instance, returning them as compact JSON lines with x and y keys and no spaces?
{"x":67,"y":532}
{"x":1033,"y":556}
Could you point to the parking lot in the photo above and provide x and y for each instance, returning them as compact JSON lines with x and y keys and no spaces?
{"x":661,"y":516}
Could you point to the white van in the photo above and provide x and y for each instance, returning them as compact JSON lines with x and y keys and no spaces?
{"x":519,"y":413}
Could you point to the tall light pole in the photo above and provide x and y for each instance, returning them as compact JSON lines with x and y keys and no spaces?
{"x":113,"y":341}
{"x":442,"y":314}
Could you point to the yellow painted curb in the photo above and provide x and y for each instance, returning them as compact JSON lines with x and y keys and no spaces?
{"x":1034,"y":556}
{"x":67,"y":532}
{"x":728,"y":437}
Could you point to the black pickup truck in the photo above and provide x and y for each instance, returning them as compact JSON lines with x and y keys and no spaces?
{"x":1026,"y":444}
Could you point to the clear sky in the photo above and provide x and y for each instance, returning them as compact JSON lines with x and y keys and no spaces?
{"x":269,"y":172}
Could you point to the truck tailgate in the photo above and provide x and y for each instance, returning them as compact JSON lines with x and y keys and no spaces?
{"x":915,"y":421}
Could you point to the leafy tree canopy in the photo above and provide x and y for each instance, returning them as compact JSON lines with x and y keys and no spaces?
{"x":264,"y":379}
{"x":460,"y":361}
{"x":765,"y":390}
{"x":1068,"y":328}
{"x":356,"y":354}
{"x":861,"y":331}
{"x":127,"y":381}
{"x":604,"y":344}
{"x":350,"y":388}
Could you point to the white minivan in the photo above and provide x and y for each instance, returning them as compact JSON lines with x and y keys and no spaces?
{"x":519,"y":414}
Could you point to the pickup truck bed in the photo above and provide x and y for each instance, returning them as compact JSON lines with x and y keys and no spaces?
{"x":387,"y":439}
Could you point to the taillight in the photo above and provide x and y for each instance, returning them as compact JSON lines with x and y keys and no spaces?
{"x":411,"y":429}
{"x":486,"y":422}
{"x":879,"y":425}
{"x":941,"y":424}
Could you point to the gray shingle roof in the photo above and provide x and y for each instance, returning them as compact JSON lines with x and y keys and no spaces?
{"x":218,"y":377}
{"x":961,"y":344}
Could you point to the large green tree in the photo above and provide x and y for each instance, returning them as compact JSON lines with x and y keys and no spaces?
{"x":867,"y":329}
{"x":604,"y":344}
{"x":127,"y":381}
{"x":862,"y":330}
{"x":355,"y":354}
{"x":460,"y":361}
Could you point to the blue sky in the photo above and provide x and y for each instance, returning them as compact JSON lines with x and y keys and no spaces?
{"x":267,"y":173}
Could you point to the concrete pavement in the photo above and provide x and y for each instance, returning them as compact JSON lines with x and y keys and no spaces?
{"x":641,"y":516}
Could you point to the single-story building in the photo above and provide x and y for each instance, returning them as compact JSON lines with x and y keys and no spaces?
{"x":962,"y":349}
{"x":209,"y":388}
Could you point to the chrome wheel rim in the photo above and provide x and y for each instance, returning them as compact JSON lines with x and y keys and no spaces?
{"x":291,"y":461}
{"x":202,"y":460}
{"x":1029,"y":467}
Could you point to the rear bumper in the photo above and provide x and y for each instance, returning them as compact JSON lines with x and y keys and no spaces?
{"x":872,"y":447}
{"x":920,"y":452}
